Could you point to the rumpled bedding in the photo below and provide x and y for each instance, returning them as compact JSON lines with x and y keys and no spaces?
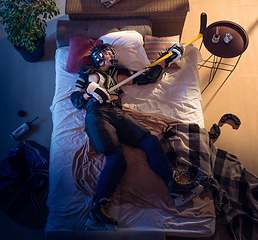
{"x":142,"y":200}
{"x":142,"y":194}
{"x":75,"y":167}
{"x":235,"y":189}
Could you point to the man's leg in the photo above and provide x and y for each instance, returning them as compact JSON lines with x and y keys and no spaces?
{"x":111,"y":174}
{"x":156,"y":156}
{"x":160,"y":164}
{"x":109,"y":179}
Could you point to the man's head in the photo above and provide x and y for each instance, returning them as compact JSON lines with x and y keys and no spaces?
{"x":104,"y":55}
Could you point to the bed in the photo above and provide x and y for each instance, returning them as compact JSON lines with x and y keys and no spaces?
{"x":173,"y":105}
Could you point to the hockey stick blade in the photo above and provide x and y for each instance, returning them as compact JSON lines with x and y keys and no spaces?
{"x":201,"y":33}
{"x":180,"y":200}
{"x":203,"y":23}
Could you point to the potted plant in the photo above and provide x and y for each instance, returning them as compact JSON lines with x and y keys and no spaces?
{"x":25,"y":25}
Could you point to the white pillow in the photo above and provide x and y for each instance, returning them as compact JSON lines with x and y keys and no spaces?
{"x":129,"y":46}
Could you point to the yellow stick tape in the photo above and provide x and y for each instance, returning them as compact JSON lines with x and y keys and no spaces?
{"x":153,"y":64}
{"x":193,"y":40}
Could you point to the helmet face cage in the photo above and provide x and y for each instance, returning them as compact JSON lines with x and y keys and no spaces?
{"x":99,"y":53}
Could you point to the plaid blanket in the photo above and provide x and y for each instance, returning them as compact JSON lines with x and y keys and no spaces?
{"x":235,"y":189}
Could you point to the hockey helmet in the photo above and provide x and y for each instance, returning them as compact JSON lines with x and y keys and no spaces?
{"x":99,"y":52}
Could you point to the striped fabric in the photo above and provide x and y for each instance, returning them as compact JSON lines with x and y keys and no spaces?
{"x":154,"y":46}
{"x":235,"y":189}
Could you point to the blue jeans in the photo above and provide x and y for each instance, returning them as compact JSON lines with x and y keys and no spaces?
{"x":116,"y":165}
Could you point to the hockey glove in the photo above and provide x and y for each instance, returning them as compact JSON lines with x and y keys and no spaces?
{"x":84,"y":72}
{"x":98,"y":92}
{"x":177,"y":51}
{"x":78,"y":99}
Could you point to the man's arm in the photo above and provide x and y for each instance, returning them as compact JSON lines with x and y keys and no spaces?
{"x":93,"y":89}
{"x":79,"y":97}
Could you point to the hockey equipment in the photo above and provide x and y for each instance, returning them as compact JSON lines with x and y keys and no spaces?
{"x":128,"y":79}
{"x":78,"y":99}
{"x":177,"y":51}
{"x":202,"y":29}
{"x":98,"y":92}
{"x":179,"y":189}
{"x":230,"y":119}
{"x":203,"y":24}
{"x":214,"y":132}
{"x":149,"y":76}
{"x":18,"y":132}
{"x":99,"y":218}
{"x":99,"y":53}
{"x":84,"y":73}
{"x":201,"y":33}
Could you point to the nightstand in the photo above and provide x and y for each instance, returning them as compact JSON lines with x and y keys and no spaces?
{"x":223,"y":39}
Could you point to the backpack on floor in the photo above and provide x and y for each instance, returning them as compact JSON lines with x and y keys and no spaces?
{"x":23,"y":174}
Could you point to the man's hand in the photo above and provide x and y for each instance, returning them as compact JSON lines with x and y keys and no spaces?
{"x":177,"y":51}
{"x":98,"y":92}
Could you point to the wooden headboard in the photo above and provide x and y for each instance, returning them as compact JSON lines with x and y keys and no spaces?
{"x":96,"y":28}
{"x":167,"y":16}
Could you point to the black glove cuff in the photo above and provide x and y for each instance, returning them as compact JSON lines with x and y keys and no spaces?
{"x":78,"y":99}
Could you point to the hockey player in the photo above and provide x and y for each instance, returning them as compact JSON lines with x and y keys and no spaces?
{"x":107,"y":125}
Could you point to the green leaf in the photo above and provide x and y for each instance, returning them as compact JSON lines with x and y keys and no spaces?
{"x":24,"y":20}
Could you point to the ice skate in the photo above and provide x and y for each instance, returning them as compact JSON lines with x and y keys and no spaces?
{"x":183,"y":192}
{"x":99,"y":218}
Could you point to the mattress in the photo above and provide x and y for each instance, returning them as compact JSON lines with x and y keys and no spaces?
{"x":174,"y":98}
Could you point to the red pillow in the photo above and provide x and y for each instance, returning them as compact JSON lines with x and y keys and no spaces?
{"x":79,"y":52}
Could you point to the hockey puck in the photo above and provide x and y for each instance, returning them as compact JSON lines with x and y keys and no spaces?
{"x":21,"y":113}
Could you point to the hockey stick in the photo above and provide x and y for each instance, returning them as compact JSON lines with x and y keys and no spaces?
{"x":200,"y":35}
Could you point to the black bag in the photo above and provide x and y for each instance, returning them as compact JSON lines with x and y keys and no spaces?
{"x":23,"y":174}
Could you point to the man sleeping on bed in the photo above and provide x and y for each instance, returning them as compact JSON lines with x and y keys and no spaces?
{"x":107,"y":125}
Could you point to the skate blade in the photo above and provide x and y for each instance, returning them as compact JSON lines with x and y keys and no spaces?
{"x":92,"y":224}
{"x":180,"y":200}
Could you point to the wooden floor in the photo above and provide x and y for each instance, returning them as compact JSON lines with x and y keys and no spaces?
{"x":239,"y":94}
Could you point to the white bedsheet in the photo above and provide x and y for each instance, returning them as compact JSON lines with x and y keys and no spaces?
{"x":175,"y":96}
